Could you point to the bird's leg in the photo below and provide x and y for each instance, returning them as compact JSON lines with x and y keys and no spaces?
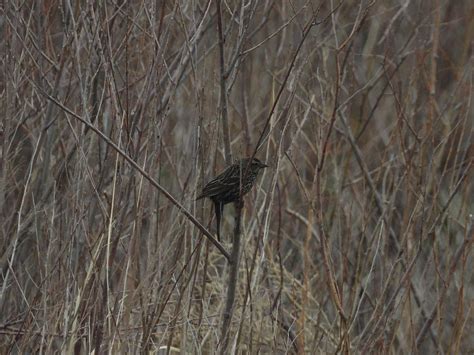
{"x":239,"y":204}
{"x":219,"y":209}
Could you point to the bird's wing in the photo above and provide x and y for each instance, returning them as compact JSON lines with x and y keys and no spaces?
{"x":221,"y":183}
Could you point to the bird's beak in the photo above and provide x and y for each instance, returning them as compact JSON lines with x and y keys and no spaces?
{"x":262,"y":165}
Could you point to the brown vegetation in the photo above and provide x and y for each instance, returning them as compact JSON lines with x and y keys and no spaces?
{"x":358,"y":238}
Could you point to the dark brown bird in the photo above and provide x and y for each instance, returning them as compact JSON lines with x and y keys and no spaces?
{"x":233,"y":182}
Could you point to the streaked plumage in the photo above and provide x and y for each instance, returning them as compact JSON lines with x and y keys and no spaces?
{"x":227,"y":186}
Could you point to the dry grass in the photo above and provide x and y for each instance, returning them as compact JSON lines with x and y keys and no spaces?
{"x":359,"y":239}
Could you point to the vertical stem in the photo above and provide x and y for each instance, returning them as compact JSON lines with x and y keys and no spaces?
{"x":233,"y":273}
{"x":223,"y":98}
{"x":300,"y":340}
{"x":234,"y":259}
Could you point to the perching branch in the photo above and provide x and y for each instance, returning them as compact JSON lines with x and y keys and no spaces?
{"x":152,"y":181}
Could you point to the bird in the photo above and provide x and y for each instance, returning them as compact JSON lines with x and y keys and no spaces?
{"x":235,"y":181}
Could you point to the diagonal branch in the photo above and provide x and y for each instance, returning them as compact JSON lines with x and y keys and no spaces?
{"x":133,"y":163}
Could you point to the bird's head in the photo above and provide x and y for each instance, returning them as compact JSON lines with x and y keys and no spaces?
{"x":255,"y":164}
{"x":258,"y":164}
